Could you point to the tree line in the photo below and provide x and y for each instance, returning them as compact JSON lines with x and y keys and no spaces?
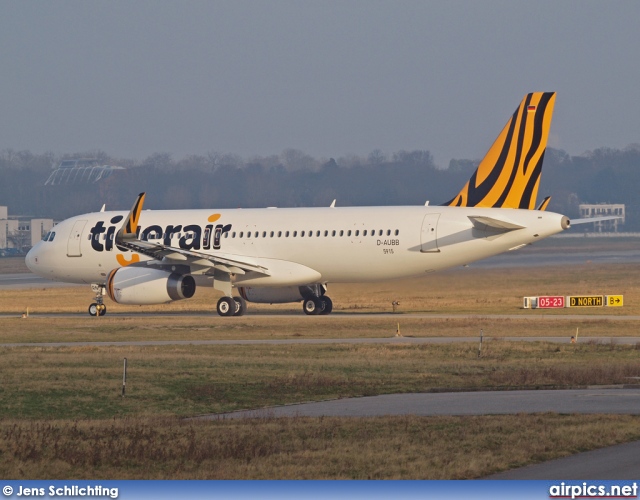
{"x":294,"y":179}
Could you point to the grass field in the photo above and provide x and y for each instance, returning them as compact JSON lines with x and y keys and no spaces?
{"x":300,"y":448}
{"x":62,"y":415}
{"x":85,"y":382}
{"x":468,"y":291}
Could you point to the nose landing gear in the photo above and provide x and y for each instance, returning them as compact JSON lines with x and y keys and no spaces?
{"x":98,"y":308}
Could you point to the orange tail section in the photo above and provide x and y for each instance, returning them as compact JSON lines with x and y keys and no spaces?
{"x":509,"y":174}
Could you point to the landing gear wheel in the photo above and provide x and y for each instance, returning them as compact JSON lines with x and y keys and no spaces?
{"x":226,"y":306}
{"x":96,"y":309}
{"x":328,"y":305}
{"x":93,"y":309}
{"x":241,"y":306}
{"x":313,"y":305}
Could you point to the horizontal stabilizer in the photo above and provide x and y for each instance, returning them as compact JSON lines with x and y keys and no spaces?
{"x":575,"y":222}
{"x":482,"y":222}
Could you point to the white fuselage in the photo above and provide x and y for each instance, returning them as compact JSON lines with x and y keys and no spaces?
{"x":298,"y":245}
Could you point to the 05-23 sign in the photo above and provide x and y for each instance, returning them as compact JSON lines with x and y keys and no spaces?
{"x":550,"y":302}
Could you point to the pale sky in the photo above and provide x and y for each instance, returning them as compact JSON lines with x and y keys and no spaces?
{"x":330,"y":78}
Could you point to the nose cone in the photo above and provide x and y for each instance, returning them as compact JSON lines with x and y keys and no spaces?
{"x":31,"y":260}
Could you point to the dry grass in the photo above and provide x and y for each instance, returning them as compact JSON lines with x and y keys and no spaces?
{"x":462,"y":291}
{"x":85,"y":382}
{"x":54,"y":390}
{"x":261,"y":327}
{"x":300,"y":448}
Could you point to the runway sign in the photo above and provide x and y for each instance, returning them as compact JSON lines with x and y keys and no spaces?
{"x":550,"y":302}
{"x":586,"y":301}
{"x":614,"y":300}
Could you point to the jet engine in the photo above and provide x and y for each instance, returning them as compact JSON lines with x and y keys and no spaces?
{"x":276,"y":295}
{"x":145,"y":285}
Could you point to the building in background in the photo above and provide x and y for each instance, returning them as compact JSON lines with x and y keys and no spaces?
{"x":19,"y":233}
{"x":80,"y":171}
{"x":601,"y":209}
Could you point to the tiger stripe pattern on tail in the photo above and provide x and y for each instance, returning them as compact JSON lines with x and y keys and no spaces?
{"x":509,"y":174}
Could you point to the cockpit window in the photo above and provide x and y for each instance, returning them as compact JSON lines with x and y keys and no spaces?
{"x":49,"y":236}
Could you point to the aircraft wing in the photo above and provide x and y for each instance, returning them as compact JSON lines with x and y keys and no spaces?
{"x":126,"y":237}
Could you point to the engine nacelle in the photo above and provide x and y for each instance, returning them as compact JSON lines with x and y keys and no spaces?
{"x":278,"y":295}
{"x":146,"y":285}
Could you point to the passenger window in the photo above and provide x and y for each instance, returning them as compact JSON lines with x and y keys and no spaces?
{"x":301,"y":234}
{"x":233,"y":235}
{"x":279,"y":234}
{"x":286,"y":234}
{"x":341,"y":232}
{"x":333,"y":233}
{"x":357,"y":232}
{"x":397,"y":232}
{"x":364,"y":233}
{"x":295,"y":233}
{"x":226,"y":235}
{"x":380,"y":232}
{"x":264,"y":234}
{"x":388,"y":232}
{"x":349,"y":232}
{"x":318,"y":234}
{"x":326,"y":233}
{"x":248,"y":234}
{"x":271,"y":234}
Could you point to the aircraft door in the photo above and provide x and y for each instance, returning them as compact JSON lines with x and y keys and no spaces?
{"x":75,"y":239}
{"x":429,"y":234}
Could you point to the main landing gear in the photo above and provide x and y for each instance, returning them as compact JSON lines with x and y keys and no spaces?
{"x":98,"y":308}
{"x":231,"y":306}
{"x":317,"y":305}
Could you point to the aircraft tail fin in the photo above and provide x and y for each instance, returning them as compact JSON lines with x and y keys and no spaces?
{"x":509,"y":174}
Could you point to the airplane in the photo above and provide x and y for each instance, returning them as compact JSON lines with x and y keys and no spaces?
{"x":282,"y":255}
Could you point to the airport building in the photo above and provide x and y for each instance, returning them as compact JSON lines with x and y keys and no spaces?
{"x":600,"y":210}
{"x":18,"y":234}
{"x":80,"y":171}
